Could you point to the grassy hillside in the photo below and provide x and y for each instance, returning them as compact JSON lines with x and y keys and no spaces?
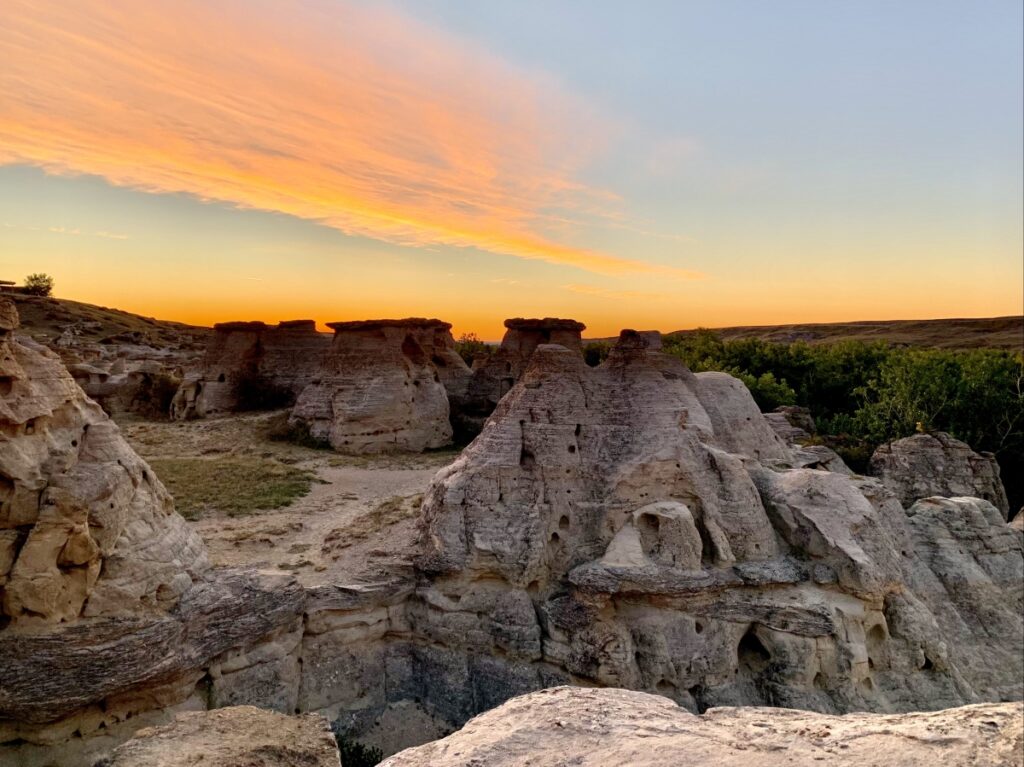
{"x":984,"y":333}
{"x":46,"y":318}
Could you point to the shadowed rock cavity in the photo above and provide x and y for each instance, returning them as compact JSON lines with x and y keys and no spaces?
{"x":285,"y":357}
{"x":382,"y":386}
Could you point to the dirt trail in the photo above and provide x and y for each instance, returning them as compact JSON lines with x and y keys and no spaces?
{"x":357,"y":521}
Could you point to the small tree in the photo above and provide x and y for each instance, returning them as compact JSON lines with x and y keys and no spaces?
{"x":38,"y":284}
{"x":469,"y":346}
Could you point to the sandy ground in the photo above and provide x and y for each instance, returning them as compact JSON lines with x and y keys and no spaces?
{"x":357,"y":523}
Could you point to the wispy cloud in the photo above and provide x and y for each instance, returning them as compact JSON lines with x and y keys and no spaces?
{"x":595,"y":290}
{"x":79,"y":233}
{"x":351,"y":115}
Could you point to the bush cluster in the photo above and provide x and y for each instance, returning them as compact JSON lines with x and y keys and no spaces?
{"x":864,"y":394}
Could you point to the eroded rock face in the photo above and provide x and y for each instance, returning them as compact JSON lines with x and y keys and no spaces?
{"x":609,"y":728}
{"x":379,"y":387}
{"x":87,"y":528}
{"x":110,"y":610}
{"x":494,"y":375}
{"x":286,"y":356}
{"x":924,"y":465}
{"x":634,"y":525}
{"x":231,"y":737}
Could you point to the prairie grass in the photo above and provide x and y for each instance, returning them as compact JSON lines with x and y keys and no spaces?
{"x":234,"y":486}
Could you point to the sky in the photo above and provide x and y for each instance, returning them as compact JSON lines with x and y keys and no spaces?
{"x":653,"y":164}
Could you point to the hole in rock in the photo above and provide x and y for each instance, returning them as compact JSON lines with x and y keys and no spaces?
{"x":563,"y":523}
{"x":526,"y":459}
{"x":220,"y":378}
{"x":752,"y":656}
{"x":579,"y":428}
{"x":927,"y":665}
{"x":665,"y":687}
{"x":572,"y":448}
{"x":555,"y":538}
{"x":698,"y":627}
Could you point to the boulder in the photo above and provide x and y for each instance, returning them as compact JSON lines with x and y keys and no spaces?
{"x":379,"y":388}
{"x":792,"y":423}
{"x":231,"y":737}
{"x":609,"y":728}
{"x":277,"y":361}
{"x":924,"y":465}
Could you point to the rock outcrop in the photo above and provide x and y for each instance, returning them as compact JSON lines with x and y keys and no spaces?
{"x":285,"y":358}
{"x":924,"y":465}
{"x":379,"y":387}
{"x":609,"y":728}
{"x":495,"y":374}
{"x":630,"y":525}
{"x":87,"y":529}
{"x":110,"y":610}
{"x":634,"y":525}
{"x":240,"y":736}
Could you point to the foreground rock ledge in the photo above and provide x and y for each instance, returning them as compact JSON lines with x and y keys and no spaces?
{"x":608,"y":728}
{"x":231,"y":737}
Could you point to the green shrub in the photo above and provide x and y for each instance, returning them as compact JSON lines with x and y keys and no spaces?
{"x":469,"y":346}
{"x":355,"y":754}
{"x":864,"y":394}
{"x":38,"y":284}
{"x":596,"y":352}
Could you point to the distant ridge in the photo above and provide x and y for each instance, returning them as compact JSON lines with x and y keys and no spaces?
{"x":958,"y":333}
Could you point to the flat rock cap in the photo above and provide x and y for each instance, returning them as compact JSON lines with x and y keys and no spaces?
{"x":546,"y":323}
{"x":408,"y":322}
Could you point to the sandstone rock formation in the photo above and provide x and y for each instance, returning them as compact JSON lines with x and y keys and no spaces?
{"x":494,"y":375}
{"x":609,"y":728}
{"x":791,"y":423}
{"x":379,"y":387}
{"x":923,"y":465}
{"x":87,"y":529}
{"x":286,"y":356}
{"x":231,"y":737}
{"x":631,"y":525}
{"x":634,"y":525}
{"x":108,"y":606}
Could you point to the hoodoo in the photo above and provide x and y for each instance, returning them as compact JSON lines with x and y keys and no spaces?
{"x":244,"y":359}
{"x":494,"y":375}
{"x":379,"y":387}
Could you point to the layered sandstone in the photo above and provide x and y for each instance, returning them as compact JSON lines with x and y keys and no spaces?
{"x":109,"y":610}
{"x":87,"y":528}
{"x":231,"y":737}
{"x":634,"y":525}
{"x":609,"y":728}
{"x":286,"y":357}
{"x":379,"y":387}
{"x":495,"y":374}
{"x":924,"y":465}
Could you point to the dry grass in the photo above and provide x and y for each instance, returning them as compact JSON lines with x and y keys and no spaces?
{"x":385,"y":514}
{"x":233,"y":486}
{"x":969,"y":333}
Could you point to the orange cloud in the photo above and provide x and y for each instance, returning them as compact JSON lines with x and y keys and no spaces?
{"x":350,"y":115}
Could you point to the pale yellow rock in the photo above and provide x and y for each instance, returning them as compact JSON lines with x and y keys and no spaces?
{"x":613,"y":728}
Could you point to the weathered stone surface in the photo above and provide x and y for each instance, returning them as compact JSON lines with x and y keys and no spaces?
{"x":654,"y":524}
{"x":94,"y":531}
{"x":924,"y":465}
{"x":286,"y":356}
{"x":609,"y":728}
{"x":495,"y":374}
{"x":231,"y":737}
{"x":378,"y":388}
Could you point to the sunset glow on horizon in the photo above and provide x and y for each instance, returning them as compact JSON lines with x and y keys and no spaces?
{"x":210,"y":161}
